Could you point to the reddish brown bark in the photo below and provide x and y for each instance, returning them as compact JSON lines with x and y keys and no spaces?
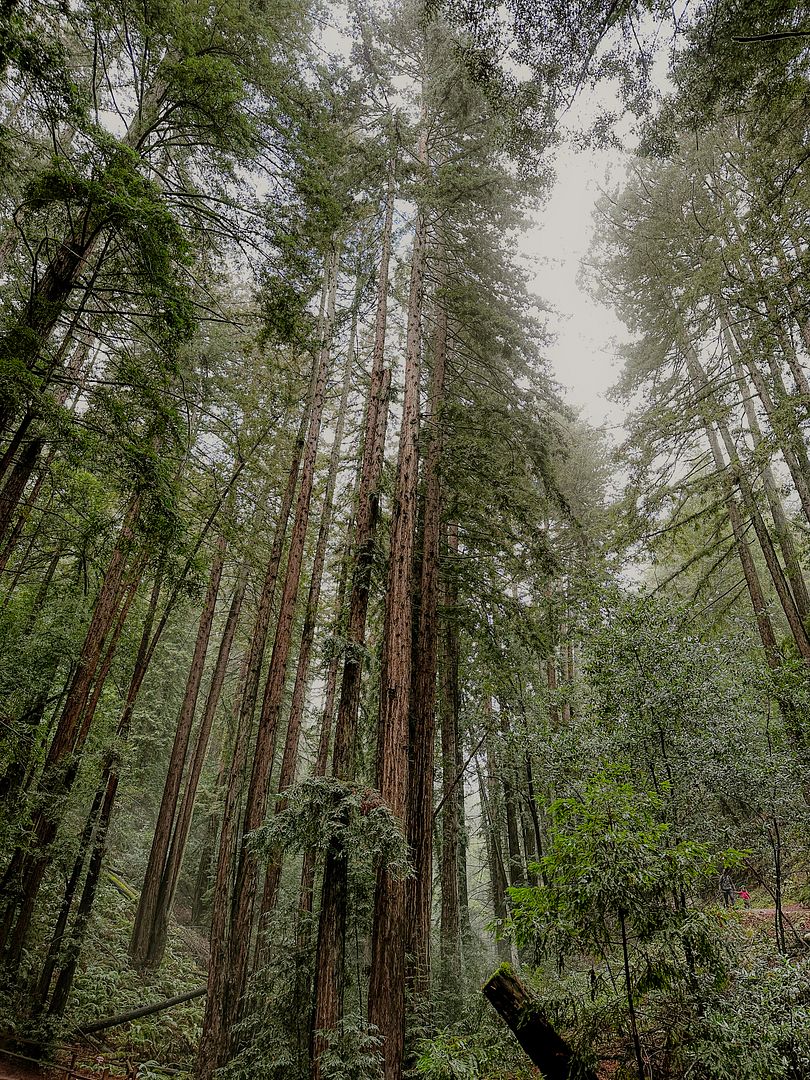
{"x":221,"y":1017}
{"x":214,"y":1041}
{"x":213,"y":1044}
{"x":142,"y":931}
{"x":329,"y":964}
{"x":56,"y":943}
{"x":289,"y":758}
{"x":98,"y":824}
{"x":425,"y":666}
{"x":182,"y":825}
{"x":324,"y":740}
{"x":26,"y":869}
{"x":386,"y":1008}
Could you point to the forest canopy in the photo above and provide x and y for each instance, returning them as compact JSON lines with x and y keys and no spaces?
{"x":366,"y":710}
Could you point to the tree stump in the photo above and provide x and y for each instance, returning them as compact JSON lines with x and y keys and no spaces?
{"x":514,"y":1003}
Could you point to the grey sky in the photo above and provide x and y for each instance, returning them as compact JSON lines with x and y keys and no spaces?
{"x":583,"y":356}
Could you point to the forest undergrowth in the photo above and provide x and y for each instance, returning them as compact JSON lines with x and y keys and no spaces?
{"x":365,"y":711}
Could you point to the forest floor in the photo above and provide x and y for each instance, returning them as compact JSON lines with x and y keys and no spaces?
{"x":795,"y":920}
{"x":146,"y":1041}
{"x":107,"y":985}
{"x":795,"y":914}
{"x":17,"y":1069}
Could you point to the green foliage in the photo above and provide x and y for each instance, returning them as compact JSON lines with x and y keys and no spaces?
{"x":352,"y":1052}
{"x":477,"y":1047}
{"x":612,"y":858}
{"x":760,"y":1029}
{"x":324,"y":810}
{"x":615,"y":879}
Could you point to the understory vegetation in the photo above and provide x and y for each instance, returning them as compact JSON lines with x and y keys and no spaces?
{"x":365,"y":712}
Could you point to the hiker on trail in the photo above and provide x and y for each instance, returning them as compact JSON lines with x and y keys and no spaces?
{"x":745,"y":897}
{"x":727,"y":888}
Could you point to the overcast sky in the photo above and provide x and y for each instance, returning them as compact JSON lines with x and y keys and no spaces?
{"x":583,"y":356}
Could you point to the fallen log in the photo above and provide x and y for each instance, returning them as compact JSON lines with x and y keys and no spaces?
{"x":513,"y":1002}
{"x":122,"y":886}
{"x":143,"y":1010}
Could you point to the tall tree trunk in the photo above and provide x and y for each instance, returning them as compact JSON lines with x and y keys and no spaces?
{"x":701,"y":384}
{"x":781,"y":526}
{"x":182,"y":825}
{"x":202,"y":879}
{"x":506,"y":775}
{"x":23,"y":876}
{"x":767,"y":636}
{"x":754,"y":586}
{"x":425,"y":664}
{"x":214,"y":1041}
{"x":551,"y":683}
{"x":565,"y":673}
{"x":386,"y":998}
{"x":144,"y":923}
{"x":452,"y":810}
{"x":24,"y":515}
{"x":497,"y":873}
{"x":325,"y":734}
{"x":22,"y":345}
{"x":98,"y":823}
{"x":241,"y":915}
{"x":531,"y":801}
{"x":330,"y":956}
{"x":788,"y":438}
{"x":289,"y":758}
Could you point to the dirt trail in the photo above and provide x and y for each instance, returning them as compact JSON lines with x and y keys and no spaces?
{"x":794,"y":915}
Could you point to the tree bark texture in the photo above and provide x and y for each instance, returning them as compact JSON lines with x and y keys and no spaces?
{"x":142,"y":931}
{"x":425,"y":664}
{"x":545,"y":1047}
{"x":23,"y":876}
{"x":240,"y":923}
{"x":64,"y":963}
{"x":450,"y":955}
{"x":289,"y":758}
{"x":386,"y":996}
{"x":330,"y":954}
{"x":182,"y":824}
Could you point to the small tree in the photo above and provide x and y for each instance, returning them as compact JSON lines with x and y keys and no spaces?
{"x":618,"y":900}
